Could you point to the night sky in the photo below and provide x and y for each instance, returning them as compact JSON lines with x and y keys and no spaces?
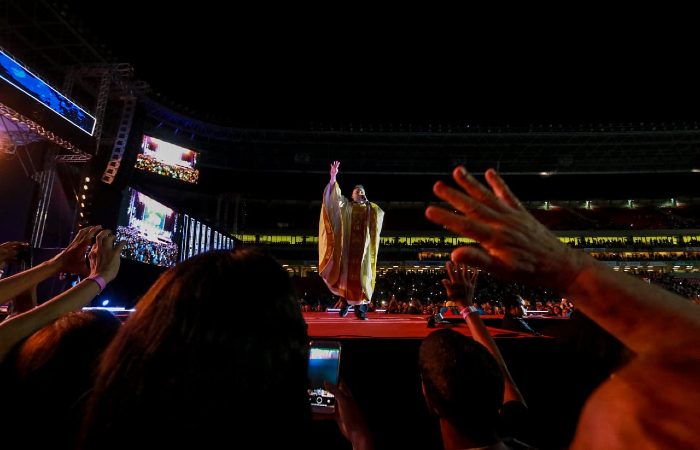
{"x":284,"y":69}
{"x":288,"y":68}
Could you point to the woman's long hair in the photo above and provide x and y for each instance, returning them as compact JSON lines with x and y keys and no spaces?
{"x":217,"y":349}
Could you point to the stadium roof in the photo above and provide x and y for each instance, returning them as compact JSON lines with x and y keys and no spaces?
{"x":300,"y":115}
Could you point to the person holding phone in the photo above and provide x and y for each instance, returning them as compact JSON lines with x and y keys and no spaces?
{"x":348,"y":243}
{"x":179,"y":375}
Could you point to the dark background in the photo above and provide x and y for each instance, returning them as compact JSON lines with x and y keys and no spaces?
{"x":292,"y":66}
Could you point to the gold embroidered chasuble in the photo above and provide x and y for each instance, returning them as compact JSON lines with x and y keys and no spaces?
{"x":348,"y":242}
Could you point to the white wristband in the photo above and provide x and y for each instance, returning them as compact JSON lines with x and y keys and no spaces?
{"x":468,"y":310}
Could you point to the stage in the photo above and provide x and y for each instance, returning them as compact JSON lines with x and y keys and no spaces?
{"x":329,"y":325}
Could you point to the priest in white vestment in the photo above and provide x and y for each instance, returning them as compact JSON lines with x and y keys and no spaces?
{"x":348,"y":242}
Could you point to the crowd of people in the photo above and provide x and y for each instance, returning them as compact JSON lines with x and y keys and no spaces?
{"x":634,"y":243}
{"x":179,"y":373}
{"x":175,"y":373}
{"x":155,"y":165}
{"x":139,"y":248}
{"x":402,"y":291}
{"x":634,"y":217}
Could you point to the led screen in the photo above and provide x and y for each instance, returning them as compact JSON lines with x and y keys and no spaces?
{"x":167,"y":159}
{"x":150,"y":228}
{"x":31,"y":85}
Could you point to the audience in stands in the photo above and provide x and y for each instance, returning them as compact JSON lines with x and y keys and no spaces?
{"x":393,"y":306}
{"x":404,"y":285}
{"x":47,"y":377}
{"x":449,"y":308}
{"x":180,"y":374}
{"x":661,"y":328}
{"x":479,"y":308}
{"x":104,"y":266}
{"x":559,"y":218}
{"x":415,"y":307}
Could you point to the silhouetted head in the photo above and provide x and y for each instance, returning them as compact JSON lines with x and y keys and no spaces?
{"x":462,"y":383}
{"x":217,"y":350}
{"x":514,"y":305}
{"x":47,"y":377}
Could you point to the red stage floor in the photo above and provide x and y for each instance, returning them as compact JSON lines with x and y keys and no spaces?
{"x":385,"y":326}
{"x":379,"y":364}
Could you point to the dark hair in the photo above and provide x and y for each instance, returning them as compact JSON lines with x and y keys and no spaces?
{"x":359,"y":186}
{"x":48,"y":375}
{"x":462,"y":382}
{"x":511,"y":300}
{"x":195,"y":365}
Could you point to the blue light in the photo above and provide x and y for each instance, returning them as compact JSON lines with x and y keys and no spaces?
{"x":105,"y":302}
{"x":22,"y":79}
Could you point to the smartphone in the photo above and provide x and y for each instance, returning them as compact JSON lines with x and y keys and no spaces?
{"x":324,"y":365}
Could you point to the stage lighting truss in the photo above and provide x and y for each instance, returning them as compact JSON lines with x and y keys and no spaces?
{"x":17,"y":130}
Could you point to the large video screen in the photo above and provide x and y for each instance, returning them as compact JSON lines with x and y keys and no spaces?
{"x":167,"y":159}
{"x":150,"y":228}
{"x":22,"y":79}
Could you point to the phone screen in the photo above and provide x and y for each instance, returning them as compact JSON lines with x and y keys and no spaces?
{"x":324,"y":363}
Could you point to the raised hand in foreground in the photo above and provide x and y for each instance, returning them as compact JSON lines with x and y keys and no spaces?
{"x":459,"y":286}
{"x":104,"y":262}
{"x":662,"y":328}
